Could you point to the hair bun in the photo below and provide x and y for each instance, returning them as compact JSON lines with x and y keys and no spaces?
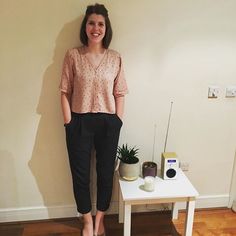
{"x":99,"y":9}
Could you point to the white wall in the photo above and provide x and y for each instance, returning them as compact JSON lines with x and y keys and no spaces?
{"x":173,"y":50}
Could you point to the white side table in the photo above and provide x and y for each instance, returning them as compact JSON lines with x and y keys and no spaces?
{"x":166,"y":191}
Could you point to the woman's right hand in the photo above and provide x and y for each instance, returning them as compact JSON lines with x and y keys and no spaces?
{"x":67,"y":120}
{"x":65,"y":105}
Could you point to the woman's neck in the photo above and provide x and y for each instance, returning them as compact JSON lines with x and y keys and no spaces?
{"x":95,"y":49}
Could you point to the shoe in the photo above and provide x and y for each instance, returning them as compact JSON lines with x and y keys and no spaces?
{"x":103,"y":234}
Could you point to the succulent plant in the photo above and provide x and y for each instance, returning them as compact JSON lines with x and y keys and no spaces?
{"x":127,"y":154}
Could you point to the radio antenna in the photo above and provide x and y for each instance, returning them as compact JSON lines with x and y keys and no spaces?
{"x":167,"y":131}
{"x":154,"y":142}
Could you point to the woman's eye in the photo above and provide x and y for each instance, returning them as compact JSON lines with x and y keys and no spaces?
{"x":100,"y":24}
{"x":91,"y":23}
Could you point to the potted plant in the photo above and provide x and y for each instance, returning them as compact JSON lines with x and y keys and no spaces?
{"x":149,"y":168}
{"x":129,"y":167}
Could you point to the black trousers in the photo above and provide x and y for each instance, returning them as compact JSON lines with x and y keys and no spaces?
{"x":85,"y":131}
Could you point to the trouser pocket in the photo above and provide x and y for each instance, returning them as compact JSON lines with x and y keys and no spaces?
{"x":114,"y":124}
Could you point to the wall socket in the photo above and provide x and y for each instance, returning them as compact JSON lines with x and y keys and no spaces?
{"x":230,"y":91}
{"x":184,"y":166}
{"x":213,"y":91}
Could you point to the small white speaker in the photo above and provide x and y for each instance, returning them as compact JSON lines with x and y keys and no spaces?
{"x":169,"y":165}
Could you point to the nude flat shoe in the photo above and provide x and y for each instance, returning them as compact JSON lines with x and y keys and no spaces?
{"x":104,"y":234}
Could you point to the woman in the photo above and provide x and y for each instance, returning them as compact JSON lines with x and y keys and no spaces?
{"x":92,"y":100}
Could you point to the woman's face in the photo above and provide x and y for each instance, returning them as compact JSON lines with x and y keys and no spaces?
{"x":95,"y":29}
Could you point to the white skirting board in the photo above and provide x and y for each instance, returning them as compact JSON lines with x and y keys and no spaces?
{"x":42,"y":212}
{"x":36,"y":213}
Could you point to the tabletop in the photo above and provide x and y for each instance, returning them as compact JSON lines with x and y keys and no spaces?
{"x":171,"y":188}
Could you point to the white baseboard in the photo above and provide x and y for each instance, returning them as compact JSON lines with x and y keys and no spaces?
{"x":42,"y":212}
{"x":36,"y":213}
{"x":209,"y":201}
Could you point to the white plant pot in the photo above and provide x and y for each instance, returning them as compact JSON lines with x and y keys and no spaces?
{"x":129,"y":172}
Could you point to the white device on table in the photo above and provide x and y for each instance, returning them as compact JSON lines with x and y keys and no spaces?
{"x":169,"y":165}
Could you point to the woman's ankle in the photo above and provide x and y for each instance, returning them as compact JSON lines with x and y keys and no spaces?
{"x":87,"y":225}
{"x":88,"y":229}
{"x":99,"y":223}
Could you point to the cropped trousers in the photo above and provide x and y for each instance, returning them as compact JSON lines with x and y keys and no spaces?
{"x":85,"y":131}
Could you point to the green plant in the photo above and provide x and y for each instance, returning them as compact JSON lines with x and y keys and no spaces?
{"x":127,"y":154}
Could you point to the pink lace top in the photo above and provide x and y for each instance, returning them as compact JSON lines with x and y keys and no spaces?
{"x":93,"y":89}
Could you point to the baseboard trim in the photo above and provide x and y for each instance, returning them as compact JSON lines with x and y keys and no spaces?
{"x":212,"y":201}
{"x":36,"y":213}
{"x":209,"y":201}
{"x":42,"y":212}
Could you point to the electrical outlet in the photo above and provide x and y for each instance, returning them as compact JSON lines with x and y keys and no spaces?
{"x":184,"y":166}
{"x":230,"y":91}
{"x":213,"y":91}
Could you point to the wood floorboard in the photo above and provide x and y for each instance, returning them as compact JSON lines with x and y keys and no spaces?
{"x":212,"y":222}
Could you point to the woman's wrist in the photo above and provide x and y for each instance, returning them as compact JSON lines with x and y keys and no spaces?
{"x":120,"y":106}
{"x":120,"y":116}
{"x":67,"y":120}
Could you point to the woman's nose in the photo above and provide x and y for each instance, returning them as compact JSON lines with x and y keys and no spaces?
{"x":96,"y":26}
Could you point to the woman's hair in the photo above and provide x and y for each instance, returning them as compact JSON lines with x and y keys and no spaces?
{"x":98,"y":9}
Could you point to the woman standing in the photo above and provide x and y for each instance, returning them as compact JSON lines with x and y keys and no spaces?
{"x":92,"y":100}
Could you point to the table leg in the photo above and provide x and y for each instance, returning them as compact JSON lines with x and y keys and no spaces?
{"x":175,"y":210}
{"x":127,"y":220}
{"x":189,"y":218}
{"x":121,"y":208}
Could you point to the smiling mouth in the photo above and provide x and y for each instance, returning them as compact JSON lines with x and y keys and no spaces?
{"x":96,"y":34}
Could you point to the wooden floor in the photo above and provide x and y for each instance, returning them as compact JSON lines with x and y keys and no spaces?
{"x":206,"y":222}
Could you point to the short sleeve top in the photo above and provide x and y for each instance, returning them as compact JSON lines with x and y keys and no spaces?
{"x":93,"y":89}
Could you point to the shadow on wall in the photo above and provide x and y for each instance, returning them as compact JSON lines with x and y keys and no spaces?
{"x":49,"y":163}
{"x":8,"y":185}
